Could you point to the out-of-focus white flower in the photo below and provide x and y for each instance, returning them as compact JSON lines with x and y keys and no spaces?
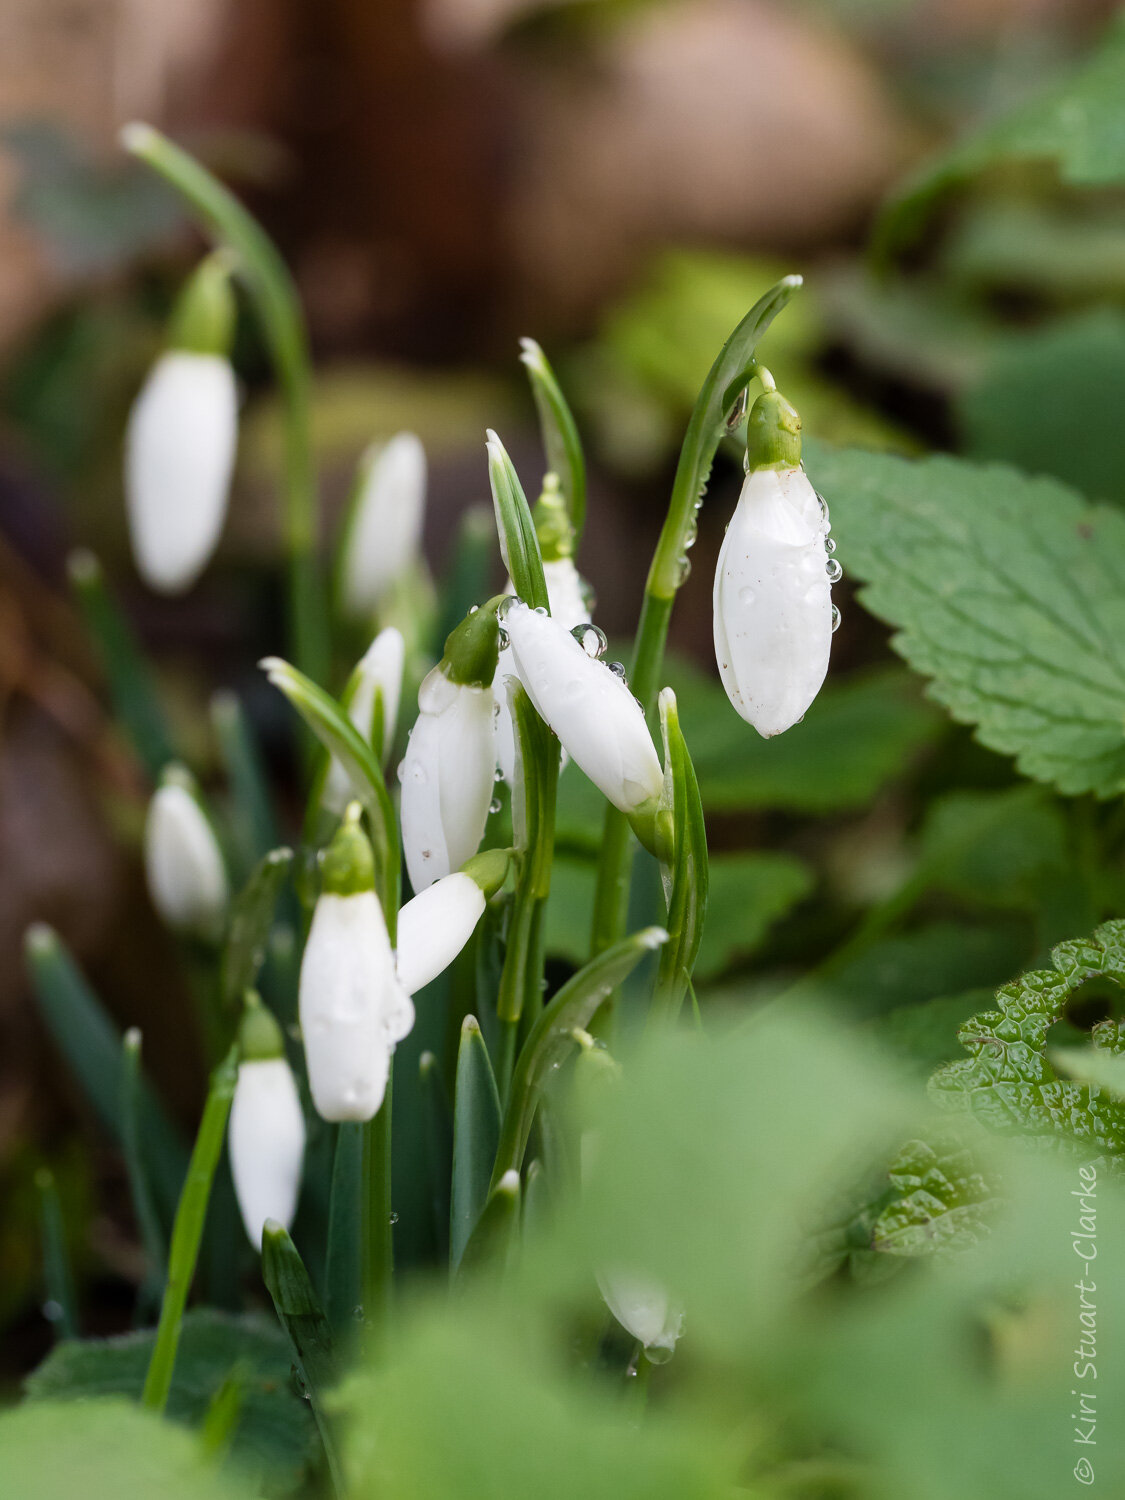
{"x":598,"y":721}
{"x":448,"y":772}
{"x":567,"y":599}
{"x":187,"y":878}
{"x":643,"y":1309}
{"x":436,"y":924}
{"x":384,"y":528}
{"x":379,"y":671}
{"x":181,"y":439}
{"x":267,"y":1127}
{"x":353,"y":1008}
{"x":773,"y":599}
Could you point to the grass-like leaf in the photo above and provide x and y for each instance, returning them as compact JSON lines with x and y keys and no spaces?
{"x":476,"y":1135}
{"x":561,"y":442}
{"x":250,"y":921}
{"x":689,"y":870}
{"x":519,"y":544}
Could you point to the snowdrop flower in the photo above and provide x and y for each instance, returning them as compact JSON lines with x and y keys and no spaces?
{"x":267,"y":1125}
{"x":566,"y":595}
{"x":436,"y":924}
{"x":181,"y":438}
{"x":378,"y":673}
{"x":353,"y":1009}
{"x":598,"y":721}
{"x":449,"y":769}
{"x":644,"y":1310}
{"x":773,"y":601}
{"x":384,"y":527}
{"x":187,"y":878}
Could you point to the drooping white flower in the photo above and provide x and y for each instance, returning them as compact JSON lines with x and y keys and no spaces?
{"x":436,"y":924}
{"x":773,"y":598}
{"x":353,"y":1008}
{"x":567,"y":599}
{"x":187,"y":878}
{"x":384,"y":528}
{"x":598,"y":721}
{"x":267,"y":1127}
{"x":448,"y":772}
{"x":644,"y":1310}
{"x":181,"y":439}
{"x":378,"y":672}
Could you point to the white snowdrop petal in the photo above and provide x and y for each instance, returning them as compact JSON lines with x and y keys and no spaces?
{"x":267,"y":1144}
{"x":179,"y":455}
{"x":642,"y":1308}
{"x":352,"y":1006}
{"x":773,"y":601}
{"x":590,"y":709}
{"x":385,"y":530}
{"x":434,"y":927}
{"x":187,"y":879}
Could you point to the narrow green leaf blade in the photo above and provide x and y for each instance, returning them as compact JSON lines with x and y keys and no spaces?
{"x":251,"y":918}
{"x":476,"y":1135}
{"x":299,"y":1309}
{"x":519,"y":544}
{"x":438,"y":1136}
{"x":690,"y":872}
{"x":57,"y":1274}
{"x":144,"y":1209}
{"x":492,"y":1241}
{"x":342,"y":1273}
{"x":561,"y":442}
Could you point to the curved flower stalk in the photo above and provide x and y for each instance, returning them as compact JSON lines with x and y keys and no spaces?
{"x":353,"y":1009}
{"x":182,"y":435}
{"x":773,"y":598}
{"x":267,"y":1125}
{"x":436,"y":924}
{"x":384,"y":526}
{"x":448,"y":772}
{"x":187,"y":878}
{"x":590,"y":708}
{"x":567,"y":598}
{"x":376,"y":684}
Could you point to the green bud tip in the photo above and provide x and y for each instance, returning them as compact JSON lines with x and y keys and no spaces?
{"x":773,"y":434}
{"x":489,"y":869}
{"x":41,"y":939}
{"x":552,"y":523}
{"x":203,"y":318}
{"x":509,"y":1184}
{"x":472,"y":648}
{"x":348,"y":864}
{"x":469,"y":1025}
{"x":259,"y":1035}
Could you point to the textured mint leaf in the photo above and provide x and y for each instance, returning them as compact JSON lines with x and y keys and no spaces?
{"x":1008,"y":592}
{"x":943,"y":1202}
{"x":1079,"y":124}
{"x":1008,"y":1083}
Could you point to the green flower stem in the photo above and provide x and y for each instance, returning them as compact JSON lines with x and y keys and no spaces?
{"x":57,"y":1274}
{"x":187,"y":1231}
{"x":378,"y":1228}
{"x":279,"y":312}
{"x":144,"y":1209}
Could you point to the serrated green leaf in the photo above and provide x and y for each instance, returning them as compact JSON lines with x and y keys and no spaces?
{"x":943,"y":1202}
{"x":476,"y":1135}
{"x":1008,"y":1084}
{"x":276,"y":1435}
{"x":1008,"y":592}
{"x":248,"y":931}
{"x":1093,"y":1065}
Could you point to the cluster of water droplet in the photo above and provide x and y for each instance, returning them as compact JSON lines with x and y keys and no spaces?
{"x":835,"y":571}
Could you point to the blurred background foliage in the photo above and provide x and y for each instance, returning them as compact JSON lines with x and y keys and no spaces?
{"x":622,"y":179}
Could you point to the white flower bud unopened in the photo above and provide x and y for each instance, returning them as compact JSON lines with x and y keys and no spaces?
{"x":643,"y":1309}
{"x":567,"y":599}
{"x":773,"y":600}
{"x":384,"y":529}
{"x":379,"y":671}
{"x":187,"y":878}
{"x":434,"y":926}
{"x":267,"y":1144}
{"x":448,"y":777}
{"x":179,"y":455}
{"x":598,"y":721}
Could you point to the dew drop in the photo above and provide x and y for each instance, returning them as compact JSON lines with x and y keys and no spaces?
{"x":52,"y":1310}
{"x":541,"y":609}
{"x":823,"y":503}
{"x":836,"y":618}
{"x":591,"y":639}
{"x":685,"y":568}
{"x":473,"y":608}
{"x":394,"y":1218}
{"x":504,"y":639}
{"x":494,"y":805}
{"x":505,"y":605}
{"x":498,"y":774}
{"x":830,"y":544}
{"x":834,"y":570}
{"x":618,"y":669}
{"x":357,"y":1314}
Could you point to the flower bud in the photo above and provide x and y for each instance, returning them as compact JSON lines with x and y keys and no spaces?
{"x":436,"y":924}
{"x":384,"y":528}
{"x":353,"y":1009}
{"x":187,"y":878}
{"x":267,"y":1126}
{"x":449,"y":769}
{"x":598,"y":721}
{"x":773,"y":597}
{"x":181,"y":438}
{"x":643,"y":1309}
{"x":378,"y":673}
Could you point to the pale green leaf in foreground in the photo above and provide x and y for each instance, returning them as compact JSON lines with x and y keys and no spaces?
{"x":1008,"y":592}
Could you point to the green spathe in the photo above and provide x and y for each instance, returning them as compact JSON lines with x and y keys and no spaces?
{"x":472,"y":648}
{"x":203,"y":318}
{"x":259,"y":1035}
{"x":348,"y":866}
{"x":489,"y":869}
{"x":552,"y":522}
{"x":773,"y":434}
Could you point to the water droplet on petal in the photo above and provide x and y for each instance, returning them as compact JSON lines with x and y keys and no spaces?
{"x":473,"y":608}
{"x":618,"y":669}
{"x":836,"y":618}
{"x":834,"y":570}
{"x":498,"y":774}
{"x":541,"y":609}
{"x":504,"y":640}
{"x":830,"y":544}
{"x":591,"y":639}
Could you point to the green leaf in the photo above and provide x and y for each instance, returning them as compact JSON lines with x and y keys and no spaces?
{"x":251,"y":919}
{"x":550,"y":1038}
{"x":492,"y":1241}
{"x":925,"y":1034}
{"x":1008,"y":1084}
{"x":749,"y":893}
{"x":1078,"y":124}
{"x":561,"y":442}
{"x":276,"y":1435}
{"x":476,"y":1135}
{"x":57,"y":1274}
{"x":519,"y":544}
{"x":1093,"y":1065}
{"x":993,"y":847}
{"x":944,"y":1202}
{"x":1006,"y":591}
{"x":437,"y":1132}
{"x":144,"y":1209}
{"x":342,"y":1274}
{"x":92,"y":1047}
{"x":688,"y":872}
